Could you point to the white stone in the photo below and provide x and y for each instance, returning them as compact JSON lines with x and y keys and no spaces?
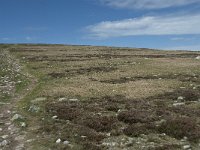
{"x":198,"y":58}
{"x":4,"y":136}
{"x":54,"y":117}
{"x":108,"y":134}
{"x":62,"y":99}
{"x":34,"y":108}
{"x":16,"y":117}
{"x":66,"y":142}
{"x":4,"y":143}
{"x":182,"y":87}
{"x":20,"y":138}
{"x":58,"y":141}
{"x":23,"y":124}
{"x":20,"y":147}
{"x":180,"y":98}
{"x":186,"y":147}
{"x":194,"y":88}
{"x":178,"y":104}
{"x":1,"y":129}
{"x":73,"y":100}
{"x":39,"y":99}
{"x":30,"y":140}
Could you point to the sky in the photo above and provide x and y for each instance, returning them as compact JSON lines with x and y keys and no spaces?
{"x":159,"y":24}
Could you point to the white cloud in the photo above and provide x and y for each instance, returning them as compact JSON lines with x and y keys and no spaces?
{"x":28,"y":38}
{"x":5,"y":39}
{"x":147,"y":4}
{"x":149,"y":25}
{"x":34,"y":29}
{"x":182,"y":39}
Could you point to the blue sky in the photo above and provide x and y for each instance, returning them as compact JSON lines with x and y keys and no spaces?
{"x":161,"y":24}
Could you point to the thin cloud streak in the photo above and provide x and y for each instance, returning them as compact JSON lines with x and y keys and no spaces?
{"x":182,"y":39}
{"x":149,"y":25}
{"x":147,"y":4}
{"x":35,"y":29}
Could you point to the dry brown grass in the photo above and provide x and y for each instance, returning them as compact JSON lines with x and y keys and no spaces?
{"x":119,"y":91}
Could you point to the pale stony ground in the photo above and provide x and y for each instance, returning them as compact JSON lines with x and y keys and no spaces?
{"x":12,"y":135}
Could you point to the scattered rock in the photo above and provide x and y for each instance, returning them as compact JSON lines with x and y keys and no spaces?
{"x":180,"y":98}
{"x":54,"y":117}
{"x":20,"y":147}
{"x":186,"y":147}
{"x":108,"y":134}
{"x":198,"y":58}
{"x":39,"y":99}
{"x":73,"y":100}
{"x":4,"y":143}
{"x":11,"y":127}
{"x":58,"y":141}
{"x":110,"y":144}
{"x":30,"y":140}
{"x":4,"y":136}
{"x":19,"y":138}
{"x":185,"y":138}
{"x":1,"y":129}
{"x":22,"y":124}
{"x":1,"y":103}
{"x":16,"y":117}
{"x":182,"y":87}
{"x":34,"y":108}
{"x":8,"y":123}
{"x":66,"y":142}
{"x":62,"y":99}
{"x":178,"y":104}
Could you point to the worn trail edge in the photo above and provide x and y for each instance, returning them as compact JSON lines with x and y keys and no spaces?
{"x":12,"y":89}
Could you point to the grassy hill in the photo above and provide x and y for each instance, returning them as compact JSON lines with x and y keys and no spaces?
{"x":85,"y":97}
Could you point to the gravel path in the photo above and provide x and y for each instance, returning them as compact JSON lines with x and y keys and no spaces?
{"x":12,"y":134}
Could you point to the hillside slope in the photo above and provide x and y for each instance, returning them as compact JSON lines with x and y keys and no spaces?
{"x":84,"y":97}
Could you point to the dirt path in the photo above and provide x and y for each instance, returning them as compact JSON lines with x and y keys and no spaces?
{"x":12,"y":134}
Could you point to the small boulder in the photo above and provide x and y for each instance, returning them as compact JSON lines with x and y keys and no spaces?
{"x":4,"y":136}
{"x":66,"y":142}
{"x":23,"y":124}
{"x":198,"y":58}
{"x":178,"y":104}
{"x":62,"y":99}
{"x":34,"y":108}
{"x":16,"y":117}
{"x":180,"y":98}
{"x":39,"y":99}
{"x":186,"y":147}
{"x":54,"y":117}
{"x":73,"y":100}
{"x":4,"y":143}
{"x":58,"y":141}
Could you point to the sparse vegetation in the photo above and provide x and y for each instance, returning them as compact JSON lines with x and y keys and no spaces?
{"x":181,"y":127}
{"x":107,"y":98}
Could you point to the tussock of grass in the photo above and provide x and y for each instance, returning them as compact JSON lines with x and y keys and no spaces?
{"x":180,"y":127}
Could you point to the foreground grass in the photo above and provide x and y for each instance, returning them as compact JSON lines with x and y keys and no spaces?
{"x":111,"y":98}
